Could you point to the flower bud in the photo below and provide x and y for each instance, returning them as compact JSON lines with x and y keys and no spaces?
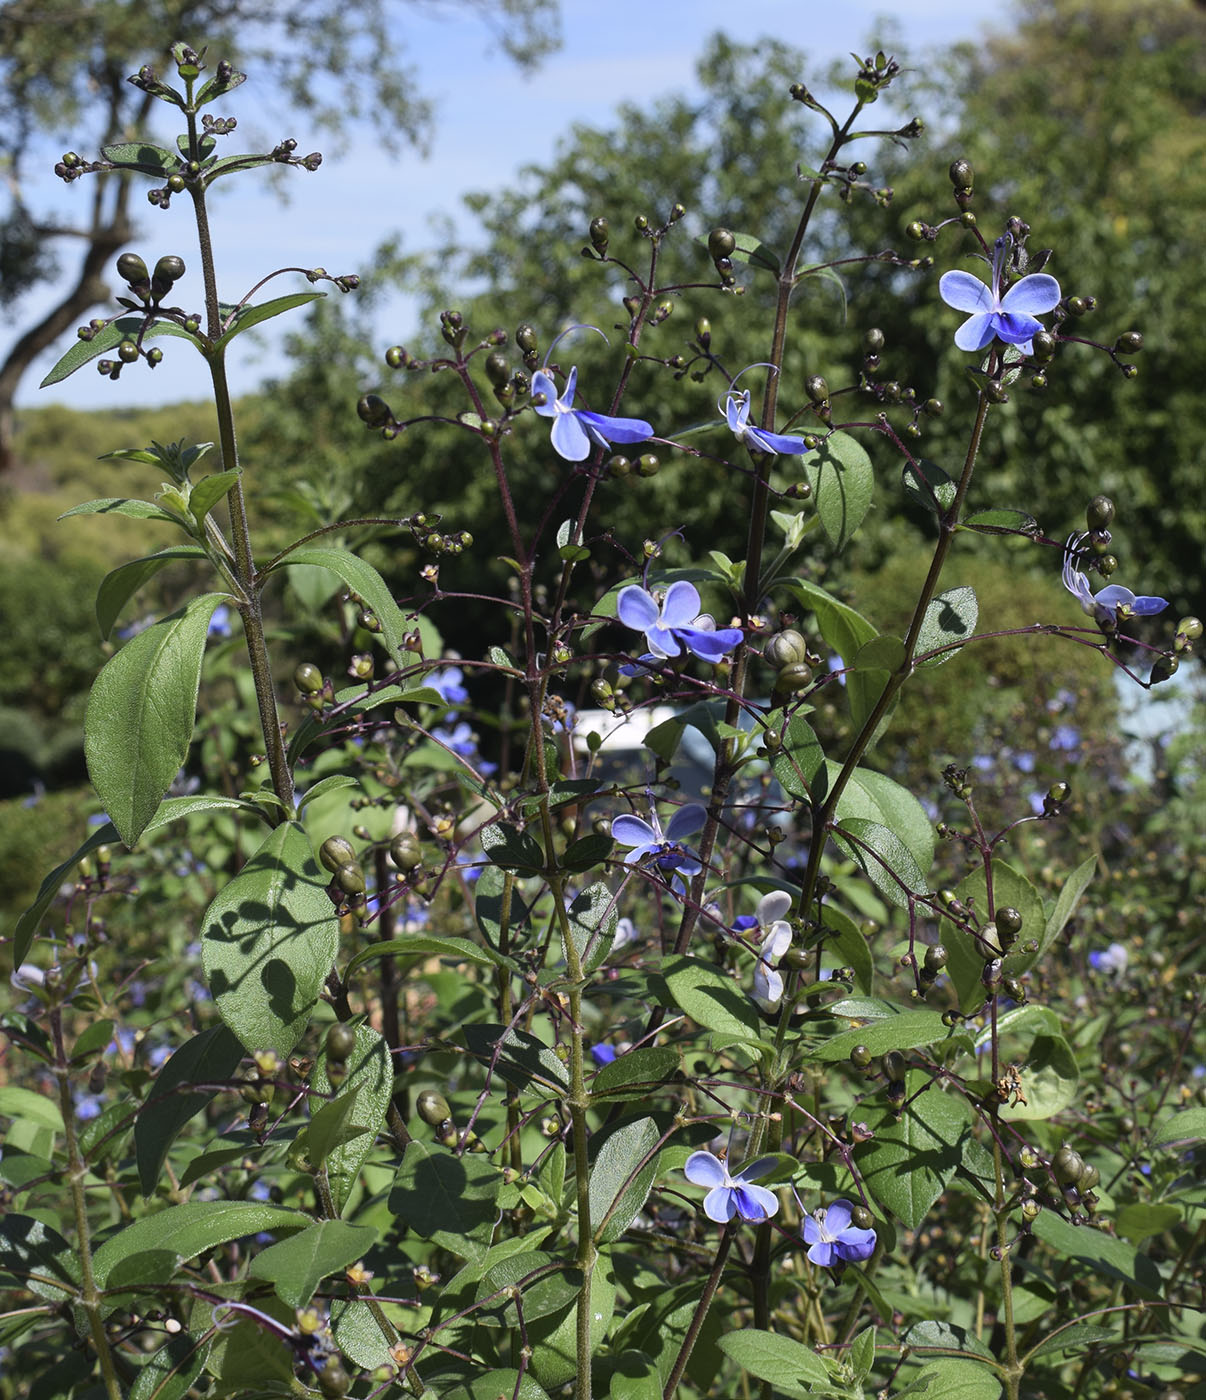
{"x":786,"y":648}
{"x":894,"y":1066}
{"x":793,"y":677}
{"x":1107,"y":564}
{"x":336,"y":852}
{"x":374,"y":412}
{"x":405,"y":851}
{"x":341,"y":1041}
{"x":498,"y":371}
{"x":873,"y":341}
{"x":1099,"y":513}
{"x":1077,"y":306}
{"x":432,"y":1107}
{"x":962,"y":175}
{"x":915,"y":231}
{"x":1189,"y":629}
{"x":721,"y":244}
{"x":935,"y":959}
{"x":127,"y":352}
{"x":816,"y":388}
{"x":1128,"y":343}
{"x":1165,"y":668}
{"x":1068,"y":1165}
{"x":350,"y":878}
{"x":861,"y":1217}
{"x":599,"y":234}
{"x":132,"y":269}
{"x":1009,"y":921}
{"x":1043,"y":344}
{"x":860,"y":1057}
{"x":308,"y":678}
{"x":168,"y":270}
{"x":648,"y":465}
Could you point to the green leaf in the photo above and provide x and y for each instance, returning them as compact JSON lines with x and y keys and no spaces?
{"x":296,"y":1266}
{"x":249,"y":316}
{"x":663,"y":739}
{"x":1065,"y":906}
{"x":93,"y":1038}
{"x":825,"y":274}
{"x":842,"y":482}
{"x":965,"y":963}
{"x":141,"y":712}
{"x":127,"y":328}
{"x":905,"y":1031}
{"x":518,"y":1056}
{"x":888,"y":862}
{"x":512,"y":849}
{"x":953,"y":1378}
{"x":843,"y":629}
{"x":174,"y":809}
{"x":592,"y":921}
{"x":587,"y":852}
{"x":142,"y":156}
{"x":636,"y":1073}
{"x":450,"y":1200}
{"x":1001,"y":522}
{"x":874,"y":797}
{"x":1140,"y":1219}
{"x":16,"y":1102}
{"x":36,"y":1257}
{"x":268,"y":941}
{"x":365,"y":582}
{"x":862,"y":1353}
{"x":355,"y":700}
{"x":930,"y":1336}
{"x":425,"y":945}
{"x":621,"y":1177}
{"x":871,"y":669}
{"x":370,"y":1083}
{"x":190,"y":1229}
{"x":847,"y":942}
{"x":1099,"y":1253}
{"x":209,"y":1059}
{"x":120,"y":584}
{"x":710,"y":998}
{"x":912,"y":1157}
{"x":209,"y":491}
{"x":1179,"y":1131}
{"x":950,"y":617}
{"x":749,"y":249}
{"x":1050,"y":1078}
{"x":171,"y":1372}
{"x":489,"y":1385}
{"x":928,"y":487}
{"x":800,"y":760}
{"x":791,"y":1367}
{"x":123,"y":505}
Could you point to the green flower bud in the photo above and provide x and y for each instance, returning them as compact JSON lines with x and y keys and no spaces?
{"x":816,"y":388}
{"x":933,"y":408}
{"x":935,"y":958}
{"x":1088,"y":1179}
{"x":127,"y":352}
{"x":860,"y":1057}
{"x":995,"y":392}
{"x":175,"y":183}
{"x":1009,"y":921}
{"x":873,"y":341}
{"x":1099,"y":513}
{"x":1031,"y":1210}
{"x":648,"y":465}
{"x":308,"y":678}
{"x":168,"y":270}
{"x":794,"y":677}
{"x":703,"y":332}
{"x":132,"y":269}
{"x":619,"y":465}
{"x":333,"y":1379}
{"x":967,"y":219}
{"x":721,"y":244}
{"x":1107,"y":564}
{"x":432,"y":1107}
{"x":1043,"y":343}
{"x":1165,"y":668}
{"x":1077,"y":306}
{"x":1129,"y":343}
{"x":336,"y":852}
{"x":1013,"y":989}
{"x":786,"y":648}
{"x":350,"y":878}
{"x":861,"y":1217}
{"x":525,"y":338}
{"x":405,"y":851}
{"x":915,"y":231}
{"x":962,"y":175}
{"x":374,"y":412}
{"x":1068,"y":1165}
{"x":341,"y":1041}
{"x":894,"y":1066}
{"x":1189,"y":629}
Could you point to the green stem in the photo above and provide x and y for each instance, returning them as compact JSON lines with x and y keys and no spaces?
{"x":701,"y":1311}
{"x":77,"y":1170}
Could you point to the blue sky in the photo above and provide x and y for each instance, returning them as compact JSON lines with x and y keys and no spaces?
{"x":620,"y":50}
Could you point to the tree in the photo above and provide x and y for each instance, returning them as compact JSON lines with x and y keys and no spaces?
{"x":67,"y":61}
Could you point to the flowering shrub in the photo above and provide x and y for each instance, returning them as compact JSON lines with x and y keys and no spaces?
{"x":458,"y":1021}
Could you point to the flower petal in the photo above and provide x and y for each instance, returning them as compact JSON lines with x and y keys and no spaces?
{"x":542,"y":383}
{"x":680,"y":607}
{"x":1032,"y":295}
{"x":1019,"y":330}
{"x":636,"y":608}
{"x":611,"y":430}
{"x":571,"y":386}
{"x":755,"y":1202}
{"x":737,"y":412}
{"x":856,"y":1245}
{"x":773,"y":907}
{"x":821,"y":1254}
{"x":1113,"y":597}
{"x":705,"y":1169}
{"x":838,"y":1216}
{"x":710,"y":646}
{"x":630,"y":830}
{"x":977,"y":331}
{"x":1145,"y":605}
{"x":763,"y":441}
{"x":570,"y":438}
{"x":965,"y":292}
{"x":753,"y":1170}
{"x":720,"y":1205}
{"x":686,"y":821}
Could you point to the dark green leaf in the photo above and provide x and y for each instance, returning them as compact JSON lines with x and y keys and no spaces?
{"x":587,"y":852}
{"x":268,"y":941}
{"x":1050,"y":1078}
{"x":791,"y":1367}
{"x":1099,"y":1253}
{"x":93,"y":1038}
{"x":141,"y":712}
{"x":297,"y":1266}
{"x":912,"y":1157}
{"x":171,"y":1372}
{"x":663,"y":739}
{"x":366,"y":583}
{"x":450,"y":1200}
{"x":954,"y":1378}
{"x":1183,"y":1128}
{"x":520,"y":1057}
{"x":1001,"y":522}
{"x":592,"y":922}
{"x":250,"y":316}
{"x":123,"y":505}
{"x":883,"y":855}
{"x":142,"y":156}
{"x":120,"y":584}
{"x":512,"y":849}
{"x":34,"y":1256}
{"x":710,"y":998}
{"x":191,"y":1229}
{"x":355,"y":700}
{"x":127,"y":328}
{"x":928,"y":487}
{"x":636,"y":1073}
{"x":843,"y":629}
{"x":905,"y":1031}
{"x":621,"y":1177}
{"x":208,"y":1059}
{"x":800,"y":761}
{"x":950,"y":617}
{"x":425,"y":945}
{"x":842,"y":482}
{"x":369,"y":1084}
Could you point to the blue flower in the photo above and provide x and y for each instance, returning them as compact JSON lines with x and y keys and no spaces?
{"x":1112,"y":962}
{"x":219,"y":623}
{"x":1065,"y":738}
{"x":664,"y":850}
{"x":1112,"y":604}
{"x":460,"y":739}
{"x":732,"y":1195}
{"x":737,"y":414}
{"x":447,"y":681}
{"x":602,"y":1054}
{"x":1024,"y":762}
{"x":832,"y":1239}
{"x":1011,"y":317}
{"x":676,"y":626}
{"x":576,"y":430}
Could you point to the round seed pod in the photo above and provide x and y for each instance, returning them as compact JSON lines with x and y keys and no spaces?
{"x":308,"y":678}
{"x":432,"y":1107}
{"x":336,"y":852}
{"x":341,"y":1041}
{"x":786,"y":648}
{"x":1068,"y":1165}
{"x":721,"y":244}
